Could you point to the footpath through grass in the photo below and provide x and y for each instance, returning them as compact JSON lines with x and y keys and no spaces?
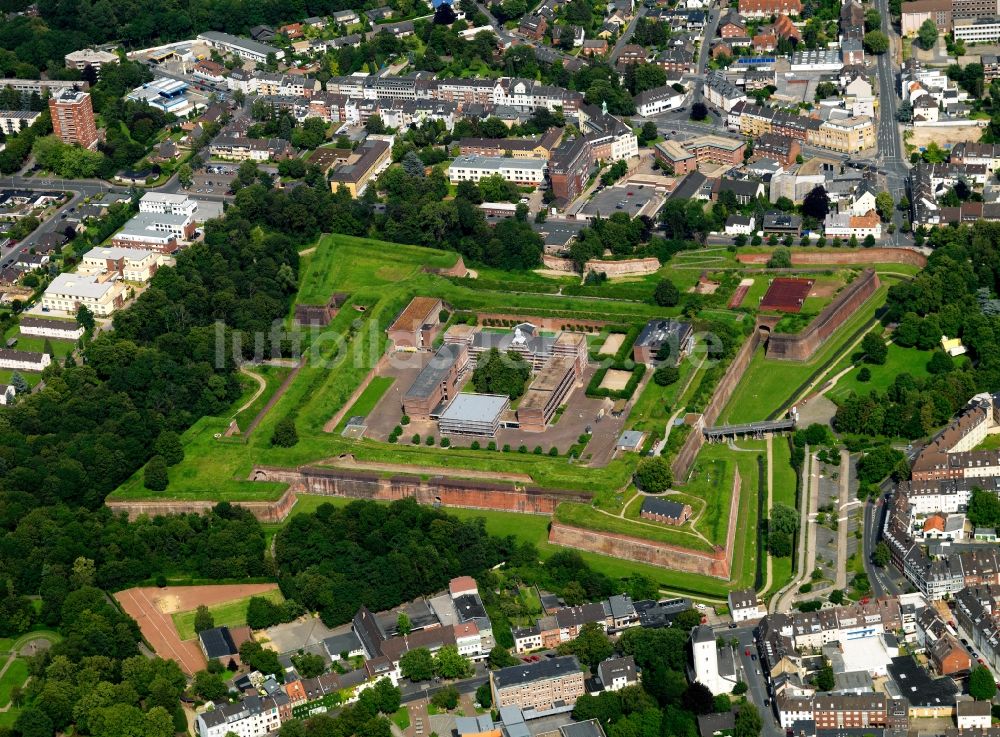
{"x":899,"y":360}
{"x":230,"y":614}
{"x":16,"y":675}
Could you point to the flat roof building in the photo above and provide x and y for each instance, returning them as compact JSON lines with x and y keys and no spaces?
{"x":547,"y":391}
{"x":436,"y":383}
{"x":472,"y":168}
{"x":241,"y":47}
{"x":73,"y":118}
{"x":354,"y":176}
{"x":67,"y":292}
{"x":546,"y":685}
{"x":474,"y":414}
{"x":93,"y":58}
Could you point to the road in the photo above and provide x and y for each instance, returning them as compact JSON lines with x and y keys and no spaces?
{"x":616,"y":50}
{"x":711,"y":27}
{"x":890,"y":147}
{"x":756,"y":685}
{"x":880,"y":578}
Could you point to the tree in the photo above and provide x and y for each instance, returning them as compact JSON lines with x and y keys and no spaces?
{"x":309,"y":665}
{"x":498,"y":373}
{"x":876,"y":42}
{"x":85,"y":317}
{"x":448,"y":663}
{"x":417,"y":665}
{"x":500,"y":657}
{"x":865,"y":374}
{"x":168,"y":446}
{"x":874,"y":348}
{"x":209,"y":686}
{"x":387,"y":696}
{"x":484,"y":696}
{"x":873,"y":19}
{"x":780,"y":259}
{"x":648,"y":132}
{"x":698,"y":698}
{"x":748,"y":722}
{"x":653,"y":475}
{"x":19,"y":383}
{"x":203,"y":619}
{"x":928,"y":34}
{"x":879,"y":462}
{"x":816,"y":204}
{"x":666,"y":375}
{"x":185,"y":175}
{"x":666,"y":293}
{"x":982,"y":687}
{"x":699,"y":111}
{"x":155,"y":476}
{"x":824,"y":678}
{"x":446,"y":698}
{"x":591,"y":645}
{"x":884,"y":205}
{"x":413,"y":165}
{"x":403,"y":624}
{"x":881,"y":555}
{"x":285,"y":435}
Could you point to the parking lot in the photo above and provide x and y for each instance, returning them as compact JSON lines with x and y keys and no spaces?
{"x":213,"y":179}
{"x":630,"y":199}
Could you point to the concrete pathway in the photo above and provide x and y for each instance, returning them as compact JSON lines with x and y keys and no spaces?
{"x":782,"y":601}
{"x":845,"y":472}
{"x":769,"y":577}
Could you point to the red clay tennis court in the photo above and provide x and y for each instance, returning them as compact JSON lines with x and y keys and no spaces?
{"x":786,"y":294}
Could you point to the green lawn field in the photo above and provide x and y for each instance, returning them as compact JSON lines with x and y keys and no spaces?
{"x":899,"y":360}
{"x":16,"y":675}
{"x":230,"y":614}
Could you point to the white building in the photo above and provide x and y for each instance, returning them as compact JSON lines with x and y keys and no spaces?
{"x":163,"y":202}
{"x":68,"y":291}
{"x":7,"y":394}
{"x":244,"y":48}
{"x":45,"y":327}
{"x":155,"y":231}
{"x":846,"y":225}
{"x":252,"y":717}
{"x":658,"y":100}
{"x":739,"y":225}
{"x":14,"y":121}
{"x":722,"y":93}
{"x":130,"y":264}
{"x":972,"y":714}
{"x":617,"y":673}
{"x":977,"y":31}
{"x":23,"y":360}
{"x":468,"y":640}
{"x":744,"y":606}
{"x":472,"y":168}
{"x":90,"y":58}
{"x":863,"y":200}
{"x":714,"y":667}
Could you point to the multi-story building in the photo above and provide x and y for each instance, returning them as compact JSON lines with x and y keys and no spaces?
{"x":540,"y":687}
{"x":847,"y":225}
{"x":569,"y":167}
{"x":14,"y":121}
{"x":472,"y":168}
{"x":714,"y":666}
{"x":46,"y":327}
{"x":847,"y":135}
{"x":859,"y":711}
{"x":783,"y":149}
{"x":983,"y":154}
{"x":160,"y":232}
{"x":744,"y":605}
{"x":252,"y":717}
{"x":241,"y":47}
{"x":977,"y":30}
{"x":767,"y":8}
{"x":528,"y":95}
{"x":372,"y":158}
{"x":437,"y":382}
{"x":722,"y":93}
{"x":991,"y":67}
{"x":518,"y":148}
{"x":92,"y":58}
{"x":917,"y":12}
{"x":986,"y":9}
{"x":240,"y":148}
{"x":73,"y":118}
{"x":164,"y":202}
{"x":11,"y":359}
{"x":617,"y":673}
{"x":40,"y":86}
{"x":67,"y":292}
{"x":658,"y":100}
{"x":130,"y":264}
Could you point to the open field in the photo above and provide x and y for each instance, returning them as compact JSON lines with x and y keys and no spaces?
{"x":899,"y":360}
{"x":582,"y":515}
{"x":231,"y":614}
{"x":769,"y":385}
{"x":152,"y":608}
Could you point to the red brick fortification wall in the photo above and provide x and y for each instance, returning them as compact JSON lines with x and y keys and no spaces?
{"x":625,"y":267}
{"x":841,"y":257}
{"x":641,"y":551}
{"x":727,"y":385}
{"x":274,"y":511}
{"x":801,"y":347}
{"x":437,"y":490}
{"x":459,"y":269}
{"x":545,"y":323}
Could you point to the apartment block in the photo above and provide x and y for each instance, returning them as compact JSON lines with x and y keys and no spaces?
{"x":73,"y":118}
{"x":67,"y":292}
{"x":472,"y":168}
{"x":539,"y":687}
{"x":130,"y":264}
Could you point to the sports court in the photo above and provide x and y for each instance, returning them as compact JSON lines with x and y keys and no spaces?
{"x":786,"y":294}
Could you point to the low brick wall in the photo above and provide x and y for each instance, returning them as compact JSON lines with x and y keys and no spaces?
{"x":265,"y":511}
{"x":448,"y":492}
{"x":841,"y":257}
{"x":624,"y":267}
{"x":717,"y":564}
{"x":640,"y":551}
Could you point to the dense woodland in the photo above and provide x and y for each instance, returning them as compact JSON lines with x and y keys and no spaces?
{"x":951,"y":296}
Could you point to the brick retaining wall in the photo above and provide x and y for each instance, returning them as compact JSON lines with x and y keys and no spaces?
{"x":846,"y":258}
{"x":265,"y":511}
{"x":624,"y":267}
